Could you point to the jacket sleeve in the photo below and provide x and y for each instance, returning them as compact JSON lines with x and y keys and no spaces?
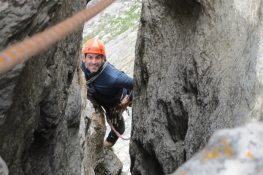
{"x":124,"y":81}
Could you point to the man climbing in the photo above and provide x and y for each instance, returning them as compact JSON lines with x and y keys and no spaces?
{"x":107,"y":86}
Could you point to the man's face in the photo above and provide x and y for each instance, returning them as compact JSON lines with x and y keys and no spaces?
{"x":93,"y":62}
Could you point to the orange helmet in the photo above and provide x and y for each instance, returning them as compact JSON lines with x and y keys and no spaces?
{"x":94,"y":45}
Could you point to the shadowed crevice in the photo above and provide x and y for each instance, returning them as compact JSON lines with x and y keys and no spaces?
{"x":149,"y":164}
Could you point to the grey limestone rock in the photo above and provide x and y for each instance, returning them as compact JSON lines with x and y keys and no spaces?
{"x":230,"y":151}
{"x":198,"y":68}
{"x":41,"y":100}
{"x":110,"y":165}
{"x":96,"y":159}
{"x":38,"y":134}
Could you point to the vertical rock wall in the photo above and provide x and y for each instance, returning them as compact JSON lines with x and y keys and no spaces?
{"x":198,"y":68}
{"x":47,"y":126}
{"x":39,"y":115}
{"x":97,"y":160}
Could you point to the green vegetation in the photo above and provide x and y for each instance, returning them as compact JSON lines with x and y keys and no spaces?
{"x":112,"y":26}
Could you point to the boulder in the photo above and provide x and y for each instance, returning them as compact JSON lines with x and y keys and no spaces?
{"x":229,"y":151}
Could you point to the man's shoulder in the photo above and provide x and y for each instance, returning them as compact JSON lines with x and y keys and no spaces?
{"x":112,"y":71}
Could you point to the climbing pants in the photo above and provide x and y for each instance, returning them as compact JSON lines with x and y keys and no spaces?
{"x":118,"y":123}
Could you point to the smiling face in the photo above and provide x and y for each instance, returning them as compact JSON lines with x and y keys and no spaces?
{"x":93,"y":62}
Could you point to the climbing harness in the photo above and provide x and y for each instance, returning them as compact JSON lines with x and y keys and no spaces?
{"x":22,"y":51}
{"x":111,"y":125}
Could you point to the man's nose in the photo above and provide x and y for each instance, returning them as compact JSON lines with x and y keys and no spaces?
{"x":93,"y":60}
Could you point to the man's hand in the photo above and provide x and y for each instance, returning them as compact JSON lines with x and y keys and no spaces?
{"x":125,"y":102}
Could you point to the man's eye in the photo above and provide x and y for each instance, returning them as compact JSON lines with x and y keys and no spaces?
{"x":91,"y":57}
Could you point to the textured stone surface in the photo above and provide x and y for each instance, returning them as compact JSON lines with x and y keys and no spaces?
{"x":38,"y":135}
{"x":96,"y":159}
{"x":93,"y":130}
{"x":110,"y":165}
{"x":42,"y":103}
{"x":198,"y":68}
{"x":231,"y":151}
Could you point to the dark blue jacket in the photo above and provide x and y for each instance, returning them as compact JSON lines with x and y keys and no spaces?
{"x":109,"y":86}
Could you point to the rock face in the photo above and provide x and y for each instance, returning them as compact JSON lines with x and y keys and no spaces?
{"x":43,"y":106}
{"x":198,"y":68}
{"x":96,"y":159}
{"x":39,"y":105}
{"x":231,"y":151}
